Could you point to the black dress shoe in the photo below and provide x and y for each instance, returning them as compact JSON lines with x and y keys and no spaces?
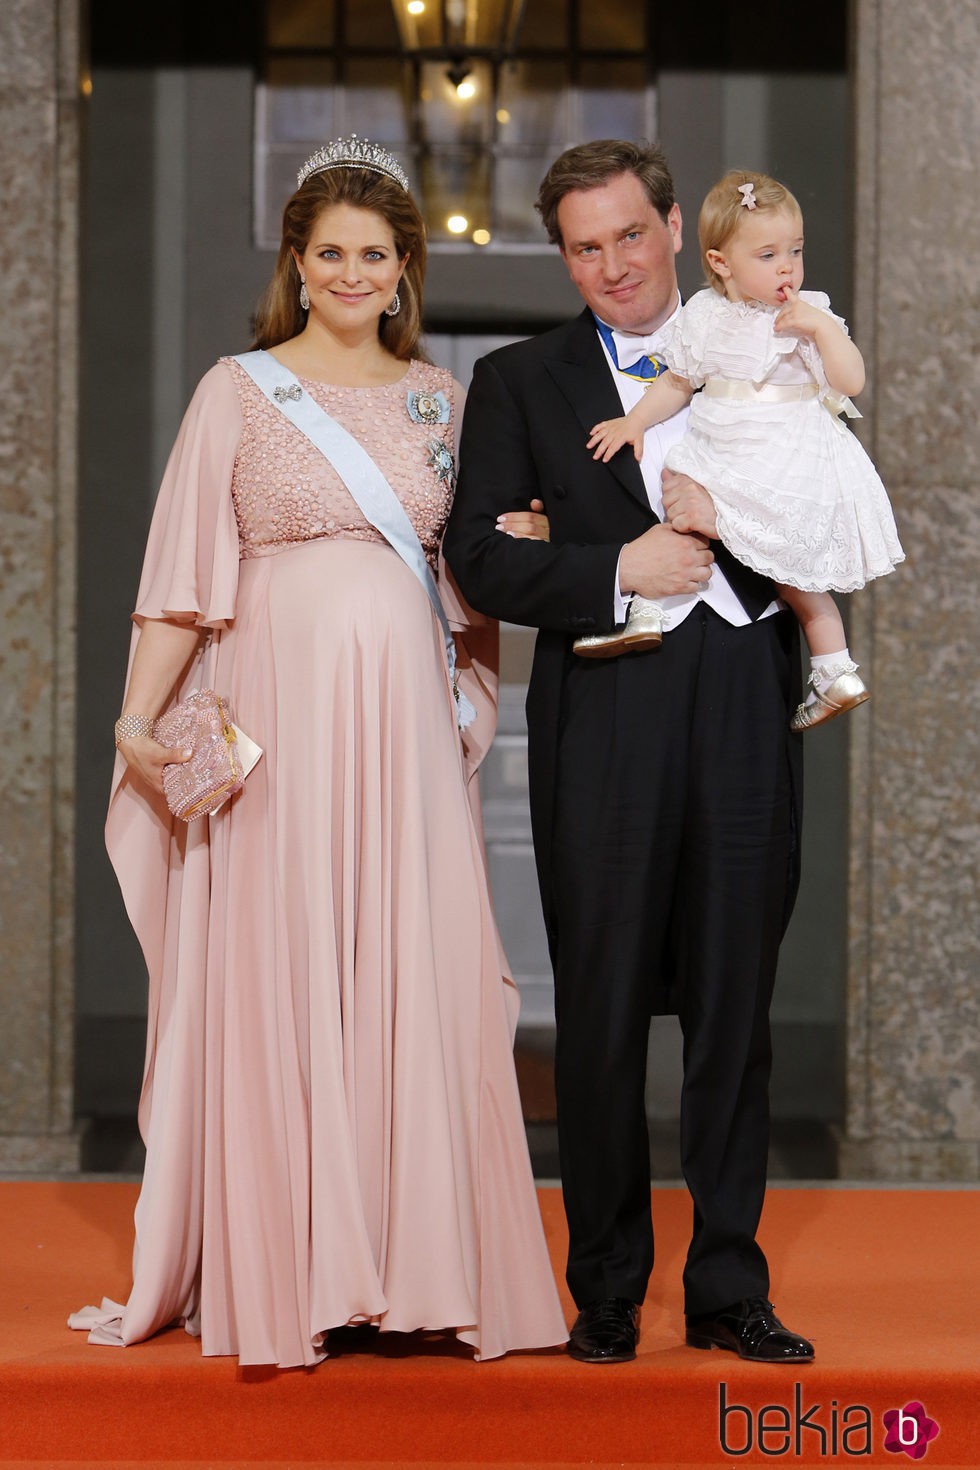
{"x":605,"y":1331}
{"x":751,"y":1329}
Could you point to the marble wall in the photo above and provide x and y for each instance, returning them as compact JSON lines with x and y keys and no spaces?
{"x":39,"y":124}
{"x":914,"y":1000}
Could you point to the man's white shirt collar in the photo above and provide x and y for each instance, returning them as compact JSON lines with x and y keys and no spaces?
{"x":629,"y":347}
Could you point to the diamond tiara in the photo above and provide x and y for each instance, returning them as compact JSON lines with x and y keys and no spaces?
{"x":353,"y":152}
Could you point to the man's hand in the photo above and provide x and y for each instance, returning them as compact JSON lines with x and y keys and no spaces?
{"x":687,"y":505}
{"x":664,"y":563}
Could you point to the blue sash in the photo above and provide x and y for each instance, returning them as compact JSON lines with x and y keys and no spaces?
{"x":368,"y":487}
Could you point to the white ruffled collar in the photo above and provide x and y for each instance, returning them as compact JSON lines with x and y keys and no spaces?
{"x":745,"y":309}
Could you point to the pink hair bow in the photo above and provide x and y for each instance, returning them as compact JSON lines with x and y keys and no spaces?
{"x":747,"y":192}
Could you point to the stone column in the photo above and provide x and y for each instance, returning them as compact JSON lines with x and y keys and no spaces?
{"x":39,"y":124}
{"x":914,"y":1003}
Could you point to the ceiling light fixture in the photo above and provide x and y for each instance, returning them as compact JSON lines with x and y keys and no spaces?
{"x":458,"y":74}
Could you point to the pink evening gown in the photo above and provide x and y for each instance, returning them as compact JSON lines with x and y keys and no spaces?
{"x":330,"y":1109}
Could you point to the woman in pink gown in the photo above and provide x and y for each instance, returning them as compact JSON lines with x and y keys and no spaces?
{"x":330,"y":1110}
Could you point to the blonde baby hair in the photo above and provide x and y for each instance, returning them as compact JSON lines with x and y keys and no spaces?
{"x":728,"y":202}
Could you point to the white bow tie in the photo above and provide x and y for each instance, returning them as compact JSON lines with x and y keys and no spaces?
{"x":630,"y":349}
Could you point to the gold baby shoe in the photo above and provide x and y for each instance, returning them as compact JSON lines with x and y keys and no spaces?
{"x":845,"y":692}
{"x":643,"y":629}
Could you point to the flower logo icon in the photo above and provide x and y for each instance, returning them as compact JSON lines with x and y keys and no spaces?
{"x":910,"y":1430}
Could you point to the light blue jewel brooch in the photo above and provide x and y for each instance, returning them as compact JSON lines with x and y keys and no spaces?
{"x":441,"y":460}
{"x":427,"y":408}
{"x":294,"y":392}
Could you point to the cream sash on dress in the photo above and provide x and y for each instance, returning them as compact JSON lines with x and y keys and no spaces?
{"x":835,"y":403}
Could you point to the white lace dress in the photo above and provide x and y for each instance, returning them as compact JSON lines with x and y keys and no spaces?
{"x":796,"y":496}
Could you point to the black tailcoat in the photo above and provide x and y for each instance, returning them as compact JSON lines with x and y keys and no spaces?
{"x":529,"y":412}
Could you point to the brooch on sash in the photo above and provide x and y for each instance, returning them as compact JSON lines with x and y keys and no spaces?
{"x":293,"y":392}
{"x":427,"y":408}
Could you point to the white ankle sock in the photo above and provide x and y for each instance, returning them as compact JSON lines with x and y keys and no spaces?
{"x":825,"y":668}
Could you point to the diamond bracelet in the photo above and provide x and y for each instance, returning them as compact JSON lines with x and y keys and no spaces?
{"x":129,"y":727}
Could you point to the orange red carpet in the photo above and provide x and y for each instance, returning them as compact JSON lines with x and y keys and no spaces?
{"x":885,"y":1282}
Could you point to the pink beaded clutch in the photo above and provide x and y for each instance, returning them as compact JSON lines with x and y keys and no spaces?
{"x":215,"y":771}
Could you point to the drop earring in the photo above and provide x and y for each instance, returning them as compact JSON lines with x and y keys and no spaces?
{"x":304,"y":296}
{"x":394,"y":305}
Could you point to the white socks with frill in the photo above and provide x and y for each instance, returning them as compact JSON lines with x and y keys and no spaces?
{"x":825,"y":668}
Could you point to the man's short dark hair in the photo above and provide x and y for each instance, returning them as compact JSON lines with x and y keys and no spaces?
{"x":590,"y":165}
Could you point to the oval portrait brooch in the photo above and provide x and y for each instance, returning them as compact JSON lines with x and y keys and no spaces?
{"x":427,"y":408}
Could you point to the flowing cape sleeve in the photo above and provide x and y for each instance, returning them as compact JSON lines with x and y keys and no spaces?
{"x":190,"y":573}
{"x":477,"y":653}
{"x":477,"y":640}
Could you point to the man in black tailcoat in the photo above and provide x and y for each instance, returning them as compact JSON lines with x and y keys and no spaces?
{"x":665,"y":785}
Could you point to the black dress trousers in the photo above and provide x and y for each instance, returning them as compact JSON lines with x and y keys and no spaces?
{"x":673,"y":828}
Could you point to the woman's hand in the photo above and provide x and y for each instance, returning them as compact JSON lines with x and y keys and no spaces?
{"x":163,"y":651}
{"x":146,"y":758}
{"x":526,"y":525}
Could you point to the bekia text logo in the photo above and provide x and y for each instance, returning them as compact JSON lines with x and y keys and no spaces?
{"x":822,"y":1429}
{"x":910,"y":1430}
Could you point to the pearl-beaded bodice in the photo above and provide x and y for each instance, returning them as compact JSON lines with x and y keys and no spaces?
{"x":286,"y":493}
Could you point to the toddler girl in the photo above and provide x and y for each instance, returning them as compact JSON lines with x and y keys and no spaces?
{"x":796,"y":497}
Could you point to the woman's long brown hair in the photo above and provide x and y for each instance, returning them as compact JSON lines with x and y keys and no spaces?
{"x":280,"y":316}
